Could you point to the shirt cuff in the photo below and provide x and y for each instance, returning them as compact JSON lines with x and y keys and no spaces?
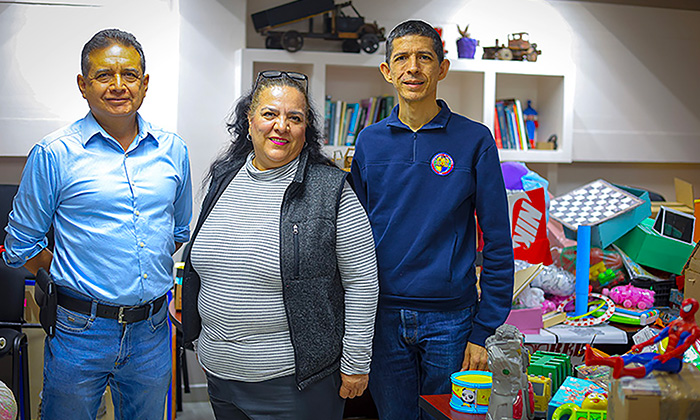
{"x":182,"y":234}
{"x":18,"y":259}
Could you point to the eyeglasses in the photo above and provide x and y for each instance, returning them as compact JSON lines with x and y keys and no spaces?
{"x":274,"y":74}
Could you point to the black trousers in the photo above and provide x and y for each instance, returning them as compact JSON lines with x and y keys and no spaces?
{"x":276,"y":399}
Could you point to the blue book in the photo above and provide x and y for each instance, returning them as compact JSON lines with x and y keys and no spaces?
{"x":354,"y":111}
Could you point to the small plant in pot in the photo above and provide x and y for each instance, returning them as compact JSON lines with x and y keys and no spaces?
{"x":466,"y":45}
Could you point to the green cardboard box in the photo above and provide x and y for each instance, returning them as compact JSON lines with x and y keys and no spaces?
{"x":645,"y":246}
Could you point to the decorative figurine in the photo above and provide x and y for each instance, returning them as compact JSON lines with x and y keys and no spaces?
{"x":681,"y":332}
{"x":531,"y":123}
{"x":466,"y":45}
{"x":518,"y":48}
{"x":512,"y":395}
{"x":353,"y":31}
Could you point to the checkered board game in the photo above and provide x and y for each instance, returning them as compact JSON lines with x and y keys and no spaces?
{"x":592,"y":204}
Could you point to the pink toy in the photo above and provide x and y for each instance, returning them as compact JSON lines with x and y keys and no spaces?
{"x":630,"y":296}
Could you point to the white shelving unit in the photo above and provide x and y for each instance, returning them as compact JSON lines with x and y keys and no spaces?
{"x":471,"y":88}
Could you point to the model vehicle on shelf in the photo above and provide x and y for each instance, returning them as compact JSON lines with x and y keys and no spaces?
{"x":355,"y":33}
{"x":519,"y":48}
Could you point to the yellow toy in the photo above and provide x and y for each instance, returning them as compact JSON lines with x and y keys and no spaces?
{"x":593,"y":407}
{"x":542,"y":388}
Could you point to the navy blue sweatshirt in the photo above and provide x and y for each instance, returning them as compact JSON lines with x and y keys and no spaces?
{"x":421,"y":190}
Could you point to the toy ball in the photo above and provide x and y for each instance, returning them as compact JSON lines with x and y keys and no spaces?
{"x":471,"y":391}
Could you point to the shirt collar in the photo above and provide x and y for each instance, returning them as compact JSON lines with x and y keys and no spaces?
{"x":439,"y":121}
{"x":90,"y":128}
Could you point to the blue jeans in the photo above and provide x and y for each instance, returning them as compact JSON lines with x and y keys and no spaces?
{"x":414,"y":354}
{"x":88,"y":352}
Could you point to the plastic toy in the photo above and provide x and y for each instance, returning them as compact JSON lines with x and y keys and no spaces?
{"x":471,"y":391}
{"x":590,"y":318}
{"x":353,"y":31}
{"x":556,"y":366}
{"x":531,"y":123}
{"x":542,"y":391}
{"x":681,"y":333}
{"x":512,"y":395}
{"x":631,"y":297}
{"x":593,"y":407}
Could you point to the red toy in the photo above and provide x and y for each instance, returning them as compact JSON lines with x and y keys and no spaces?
{"x":681,"y":333}
{"x":631,"y":297}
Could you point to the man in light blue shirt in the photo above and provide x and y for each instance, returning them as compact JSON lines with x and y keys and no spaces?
{"x":118,"y":193}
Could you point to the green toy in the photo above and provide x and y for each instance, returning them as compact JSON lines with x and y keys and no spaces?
{"x":549,"y":364}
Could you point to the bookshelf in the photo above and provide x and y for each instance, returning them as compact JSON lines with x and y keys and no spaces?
{"x":471,"y":88}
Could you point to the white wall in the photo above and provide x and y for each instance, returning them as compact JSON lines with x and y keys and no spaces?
{"x":211,"y":31}
{"x":40,"y":47}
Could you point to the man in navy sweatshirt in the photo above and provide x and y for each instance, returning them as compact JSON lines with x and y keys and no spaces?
{"x":421,"y":174}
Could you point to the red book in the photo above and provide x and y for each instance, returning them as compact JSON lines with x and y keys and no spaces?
{"x":497,"y":130}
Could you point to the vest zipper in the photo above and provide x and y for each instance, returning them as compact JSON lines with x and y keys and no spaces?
{"x":296,"y":250}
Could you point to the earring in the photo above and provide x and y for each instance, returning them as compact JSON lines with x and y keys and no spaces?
{"x":248,"y":138}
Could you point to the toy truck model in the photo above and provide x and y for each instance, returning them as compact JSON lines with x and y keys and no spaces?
{"x":518,"y":48}
{"x":353,"y":31}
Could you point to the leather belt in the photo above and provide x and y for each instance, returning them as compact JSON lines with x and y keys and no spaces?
{"x":123,"y":314}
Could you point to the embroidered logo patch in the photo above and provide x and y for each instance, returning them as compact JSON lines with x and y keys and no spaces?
{"x":442,"y":164}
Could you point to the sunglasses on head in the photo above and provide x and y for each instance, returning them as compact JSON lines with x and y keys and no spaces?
{"x":274,"y":74}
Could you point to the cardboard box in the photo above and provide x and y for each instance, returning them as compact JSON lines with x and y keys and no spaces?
{"x":661,"y":395}
{"x":647,"y":247}
{"x":684,"y":199}
{"x":605,"y":233}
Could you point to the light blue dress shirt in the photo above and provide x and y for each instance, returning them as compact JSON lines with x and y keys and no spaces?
{"x":116,"y":214}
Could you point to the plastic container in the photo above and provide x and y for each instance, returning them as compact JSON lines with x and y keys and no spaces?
{"x":662,"y":289}
{"x":471,"y":391}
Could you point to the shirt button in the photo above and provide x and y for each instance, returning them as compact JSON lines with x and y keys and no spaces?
{"x":126,"y":155}
{"x":137,"y":212}
{"x":145,"y":276}
{"x":141,"y":244}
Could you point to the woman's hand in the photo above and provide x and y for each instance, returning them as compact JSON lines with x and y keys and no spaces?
{"x":353,"y":385}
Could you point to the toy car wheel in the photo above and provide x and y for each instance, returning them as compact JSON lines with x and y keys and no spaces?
{"x":504,"y":54}
{"x":351,"y":45}
{"x":292,"y":41}
{"x":369,"y":43}
{"x":531,"y":56}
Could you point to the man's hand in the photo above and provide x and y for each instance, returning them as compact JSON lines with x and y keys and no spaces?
{"x":353,"y":385}
{"x":475,"y":358}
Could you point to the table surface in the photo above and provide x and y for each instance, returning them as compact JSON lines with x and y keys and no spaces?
{"x":175,"y":315}
{"x":438,"y":406}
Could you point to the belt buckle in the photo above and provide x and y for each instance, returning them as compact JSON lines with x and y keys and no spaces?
{"x":120,"y":316}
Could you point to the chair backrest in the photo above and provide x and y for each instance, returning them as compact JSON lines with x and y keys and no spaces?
{"x":11,"y":279}
{"x":7,"y":194}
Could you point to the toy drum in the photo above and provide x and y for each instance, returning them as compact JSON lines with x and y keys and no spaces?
{"x":471,"y":391}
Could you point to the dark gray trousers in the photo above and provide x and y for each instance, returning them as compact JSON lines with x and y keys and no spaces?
{"x":276,"y":399}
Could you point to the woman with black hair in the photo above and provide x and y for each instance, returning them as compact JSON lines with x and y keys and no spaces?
{"x":280,"y":285}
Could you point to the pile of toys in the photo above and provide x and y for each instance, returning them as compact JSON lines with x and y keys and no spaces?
{"x":543,"y":385}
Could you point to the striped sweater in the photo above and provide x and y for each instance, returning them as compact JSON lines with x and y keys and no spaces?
{"x":245,"y":334}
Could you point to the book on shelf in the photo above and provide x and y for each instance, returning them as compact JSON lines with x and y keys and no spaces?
{"x":344,"y":121}
{"x":497,"y":130}
{"x":511,"y":124}
{"x":327,"y":120}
